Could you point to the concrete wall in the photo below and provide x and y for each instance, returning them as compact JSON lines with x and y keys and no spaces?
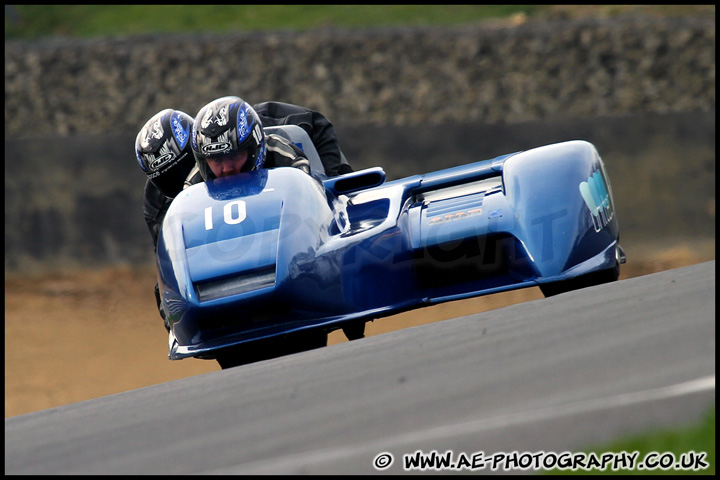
{"x":411,"y":100}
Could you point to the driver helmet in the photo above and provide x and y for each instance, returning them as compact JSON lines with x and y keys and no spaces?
{"x":223,"y":128}
{"x":162,"y":148}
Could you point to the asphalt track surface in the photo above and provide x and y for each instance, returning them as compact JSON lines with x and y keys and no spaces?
{"x":551,"y":375}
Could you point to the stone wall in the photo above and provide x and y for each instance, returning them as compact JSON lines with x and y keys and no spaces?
{"x":397,"y":76}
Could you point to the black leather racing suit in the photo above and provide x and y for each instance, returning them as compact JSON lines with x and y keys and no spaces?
{"x":318,"y":127}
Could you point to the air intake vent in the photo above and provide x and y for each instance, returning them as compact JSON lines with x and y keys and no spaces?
{"x":245,"y":282}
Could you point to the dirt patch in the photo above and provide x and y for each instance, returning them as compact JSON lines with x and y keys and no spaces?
{"x":74,"y":336}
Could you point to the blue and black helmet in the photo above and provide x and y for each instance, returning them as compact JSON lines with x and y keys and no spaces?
{"x":162,"y":148}
{"x":226,"y":126}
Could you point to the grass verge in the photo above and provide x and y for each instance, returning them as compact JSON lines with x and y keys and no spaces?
{"x":36,"y":21}
{"x":655,"y":448}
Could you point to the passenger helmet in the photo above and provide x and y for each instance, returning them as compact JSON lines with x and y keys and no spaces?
{"x":225,"y":126}
{"x":162,"y":148}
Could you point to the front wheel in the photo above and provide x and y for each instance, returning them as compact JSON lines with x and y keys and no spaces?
{"x":354,"y":331}
{"x":266,"y":349}
{"x":583,"y":281}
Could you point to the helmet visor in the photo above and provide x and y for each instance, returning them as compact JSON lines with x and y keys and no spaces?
{"x":230,"y":163}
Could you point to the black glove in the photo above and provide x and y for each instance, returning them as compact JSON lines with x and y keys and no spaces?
{"x":344,"y":168}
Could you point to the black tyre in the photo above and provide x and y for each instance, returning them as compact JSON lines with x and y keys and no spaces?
{"x":304,"y":341}
{"x":354,"y":331}
{"x":583,"y":281}
{"x":270,"y":348}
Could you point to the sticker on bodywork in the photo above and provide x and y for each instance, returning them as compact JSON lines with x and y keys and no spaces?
{"x":455,"y":216}
{"x":595,"y":193}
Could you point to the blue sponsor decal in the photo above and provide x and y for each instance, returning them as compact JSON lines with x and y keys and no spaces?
{"x":595,"y":193}
{"x":243,"y":127}
{"x":260,"y":161}
{"x":181,"y":133}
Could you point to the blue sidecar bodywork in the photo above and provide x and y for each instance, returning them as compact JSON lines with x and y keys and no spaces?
{"x":276,"y":251}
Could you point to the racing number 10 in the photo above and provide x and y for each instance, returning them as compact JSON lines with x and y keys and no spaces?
{"x":230,"y":215}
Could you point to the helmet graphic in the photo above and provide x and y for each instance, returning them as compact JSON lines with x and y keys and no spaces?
{"x":162,"y":148}
{"x":223,"y":128}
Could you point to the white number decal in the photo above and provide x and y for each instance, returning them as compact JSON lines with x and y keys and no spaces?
{"x":230,"y":215}
{"x":208,"y":218}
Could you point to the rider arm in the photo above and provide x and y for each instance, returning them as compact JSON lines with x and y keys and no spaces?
{"x":155,"y":206}
{"x":318,"y":127}
{"x":282,"y":153}
{"x":156,"y":203}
